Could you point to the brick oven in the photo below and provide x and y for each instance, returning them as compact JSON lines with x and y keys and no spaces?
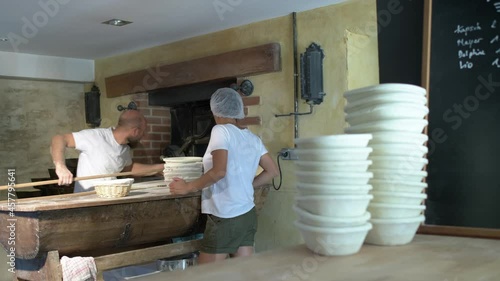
{"x":180,"y":120}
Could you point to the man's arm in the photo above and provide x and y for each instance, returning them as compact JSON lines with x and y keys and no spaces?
{"x":57,"y":150}
{"x":139,"y":168}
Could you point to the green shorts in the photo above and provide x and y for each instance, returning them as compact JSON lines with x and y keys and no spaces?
{"x":225,"y":236}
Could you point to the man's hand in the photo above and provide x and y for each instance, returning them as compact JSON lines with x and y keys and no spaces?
{"x":65,"y":176}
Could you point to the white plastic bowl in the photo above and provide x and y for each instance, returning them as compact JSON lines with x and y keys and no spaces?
{"x":332,"y":189}
{"x":398,"y":137}
{"x":333,"y":166}
{"x":405,"y":198}
{"x":182,"y":166}
{"x":188,"y":159}
{"x":405,"y":163}
{"x":335,"y":205}
{"x":386,"y":88}
{"x":396,"y":149}
{"x":398,"y":175}
{"x":334,"y":241}
{"x":335,"y":178}
{"x":334,"y":141}
{"x":182,"y":174}
{"x":394,"y":211}
{"x":385,"y":98}
{"x":392,"y":232}
{"x":385,"y":112}
{"x":321,"y":221}
{"x":333,"y":154}
{"x":400,"y":125}
{"x":398,"y":186}
{"x":193,"y":167}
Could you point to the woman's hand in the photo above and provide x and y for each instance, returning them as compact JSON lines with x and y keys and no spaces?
{"x":179,"y":186}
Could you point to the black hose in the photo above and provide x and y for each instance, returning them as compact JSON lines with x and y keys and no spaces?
{"x":281,"y":177}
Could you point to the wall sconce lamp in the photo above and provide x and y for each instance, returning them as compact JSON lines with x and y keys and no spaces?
{"x":245,"y":87}
{"x":131,"y":106}
{"x":93,"y":107}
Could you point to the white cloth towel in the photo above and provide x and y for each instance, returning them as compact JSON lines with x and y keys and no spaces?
{"x":78,"y":269}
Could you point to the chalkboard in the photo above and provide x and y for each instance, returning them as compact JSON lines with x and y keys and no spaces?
{"x":464,"y":119}
{"x":400,"y":26}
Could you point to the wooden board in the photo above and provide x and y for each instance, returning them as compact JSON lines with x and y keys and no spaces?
{"x":239,"y":63}
{"x":427,"y":258}
{"x":156,"y":191}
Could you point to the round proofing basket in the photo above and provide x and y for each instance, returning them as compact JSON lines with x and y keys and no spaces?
{"x":392,"y":232}
{"x":398,"y":137}
{"x":402,"y":125}
{"x":387,"y":111}
{"x":333,"y":166}
{"x":188,"y":159}
{"x":410,"y":151}
{"x":334,"y":178}
{"x":113,"y":188}
{"x":398,"y":186}
{"x":311,"y":219}
{"x":334,"y":141}
{"x":334,"y":154}
{"x":405,"y":163}
{"x":386,"y":88}
{"x":386,"y":98}
{"x":334,"y":241}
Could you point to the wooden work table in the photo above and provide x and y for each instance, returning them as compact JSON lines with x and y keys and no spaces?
{"x":428,"y":257}
{"x":116,"y":232}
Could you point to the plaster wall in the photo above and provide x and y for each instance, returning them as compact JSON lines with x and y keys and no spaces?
{"x":348,"y":35}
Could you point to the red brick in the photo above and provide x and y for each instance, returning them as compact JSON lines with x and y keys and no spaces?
{"x":166,"y":137}
{"x":161,"y":112}
{"x":145,"y":111}
{"x":151,"y":137}
{"x":158,"y":145}
{"x":250,"y":121}
{"x":154,"y":120}
{"x":165,"y":121}
{"x":160,"y":128}
{"x":248,"y":101}
{"x":146,"y":152}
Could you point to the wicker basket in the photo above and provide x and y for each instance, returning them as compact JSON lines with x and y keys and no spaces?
{"x":113,"y":188}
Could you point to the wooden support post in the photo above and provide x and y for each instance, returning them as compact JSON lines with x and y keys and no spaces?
{"x":45,"y":267}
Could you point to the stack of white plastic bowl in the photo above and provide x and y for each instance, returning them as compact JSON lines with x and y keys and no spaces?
{"x":332,"y":180}
{"x":187,"y":168}
{"x":394,"y":114}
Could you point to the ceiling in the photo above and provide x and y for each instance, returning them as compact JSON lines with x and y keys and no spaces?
{"x":72,"y":28}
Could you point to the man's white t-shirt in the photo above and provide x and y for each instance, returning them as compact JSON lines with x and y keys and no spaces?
{"x":100,"y":154}
{"x":232,"y":195}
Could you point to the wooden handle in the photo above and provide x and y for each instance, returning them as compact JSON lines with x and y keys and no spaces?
{"x":37,"y":183}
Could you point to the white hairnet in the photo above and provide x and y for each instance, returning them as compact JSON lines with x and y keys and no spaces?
{"x":227,"y":103}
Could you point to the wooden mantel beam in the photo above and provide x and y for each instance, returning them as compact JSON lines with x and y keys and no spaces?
{"x":239,"y":63}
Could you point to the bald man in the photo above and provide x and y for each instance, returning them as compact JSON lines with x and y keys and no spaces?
{"x":103,"y":151}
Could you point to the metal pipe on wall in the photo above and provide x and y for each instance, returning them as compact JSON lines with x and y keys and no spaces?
{"x":296,"y":76}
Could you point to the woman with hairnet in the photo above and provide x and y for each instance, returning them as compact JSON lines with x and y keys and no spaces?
{"x":230,"y":164}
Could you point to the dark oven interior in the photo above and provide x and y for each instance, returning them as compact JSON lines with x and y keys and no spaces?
{"x":191,"y":117}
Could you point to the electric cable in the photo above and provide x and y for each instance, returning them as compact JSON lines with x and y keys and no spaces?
{"x":281,"y":176}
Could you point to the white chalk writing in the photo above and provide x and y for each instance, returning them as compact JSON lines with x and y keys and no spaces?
{"x":466,"y":29}
{"x":468,"y":42}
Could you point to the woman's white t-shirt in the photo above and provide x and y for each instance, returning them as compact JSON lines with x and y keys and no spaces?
{"x":232,"y":195}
